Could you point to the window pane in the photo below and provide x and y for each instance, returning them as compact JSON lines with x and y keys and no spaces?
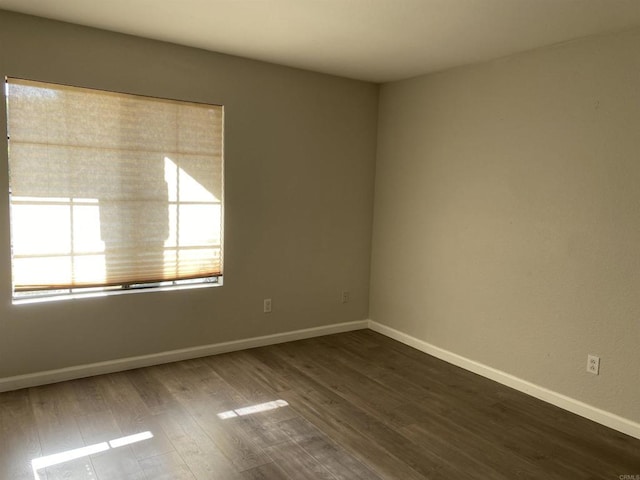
{"x":189,"y":262}
{"x":199,"y":225}
{"x":40,"y":272}
{"x":198,"y":181}
{"x":86,"y":229}
{"x":41,"y":229}
{"x":89,"y":269}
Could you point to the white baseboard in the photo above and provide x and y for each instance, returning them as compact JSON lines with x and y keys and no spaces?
{"x":603,"y":417}
{"x":88,"y":370}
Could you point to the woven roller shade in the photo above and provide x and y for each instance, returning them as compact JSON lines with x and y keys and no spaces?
{"x":112,"y":189}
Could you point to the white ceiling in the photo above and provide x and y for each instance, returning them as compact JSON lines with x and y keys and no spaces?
{"x":375,"y":40}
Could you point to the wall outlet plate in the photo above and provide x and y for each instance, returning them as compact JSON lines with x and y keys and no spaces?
{"x":267,"y":305}
{"x":593,"y":364}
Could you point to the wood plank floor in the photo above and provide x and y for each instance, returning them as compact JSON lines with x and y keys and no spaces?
{"x":350,"y":406}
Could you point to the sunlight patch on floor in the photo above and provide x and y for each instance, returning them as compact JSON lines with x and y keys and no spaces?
{"x":67,"y":456}
{"x":261,"y":407}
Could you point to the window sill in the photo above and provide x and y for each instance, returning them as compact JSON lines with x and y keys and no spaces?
{"x":109,"y":293}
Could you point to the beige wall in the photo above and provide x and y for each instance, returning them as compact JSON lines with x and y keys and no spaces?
{"x":507,"y":216}
{"x":300,"y":151}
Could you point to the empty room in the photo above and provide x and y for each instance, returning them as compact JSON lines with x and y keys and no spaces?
{"x":320,"y":239}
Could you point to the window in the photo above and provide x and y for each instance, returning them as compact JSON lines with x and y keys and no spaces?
{"x":111,"y":191}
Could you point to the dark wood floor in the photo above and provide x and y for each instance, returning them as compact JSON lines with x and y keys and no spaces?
{"x":350,"y":406}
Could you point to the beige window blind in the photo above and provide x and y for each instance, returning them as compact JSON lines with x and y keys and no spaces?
{"x":112,"y":189}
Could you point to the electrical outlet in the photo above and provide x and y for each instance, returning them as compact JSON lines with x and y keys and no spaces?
{"x":267,"y":305}
{"x":344,"y":298}
{"x":593,"y":364}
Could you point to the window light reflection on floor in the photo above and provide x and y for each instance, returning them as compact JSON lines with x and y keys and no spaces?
{"x":67,"y":456}
{"x":122,"y":441}
{"x":261,"y":407}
